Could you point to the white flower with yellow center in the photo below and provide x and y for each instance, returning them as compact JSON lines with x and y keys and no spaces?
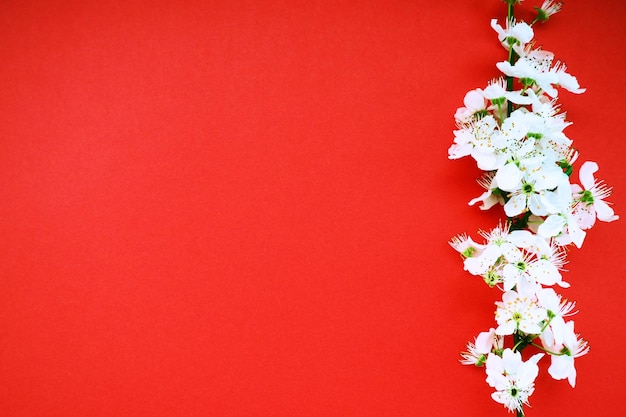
{"x":517,"y":313}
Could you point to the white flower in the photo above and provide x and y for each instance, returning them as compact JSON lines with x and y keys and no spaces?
{"x":518,"y":313}
{"x":524,"y":68}
{"x":562,"y":363}
{"x":525,"y":272}
{"x":547,"y":9}
{"x":538,"y":58}
{"x":497,"y":90}
{"x":557,"y":309}
{"x":514,"y":33}
{"x":488,"y":198}
{"x":589,"y":201}
{"x":496,"y":244}
{"x":534,"y":68}
{"x":510,"y":139}
{"x":474,"y":102}
{"x":463,"y":143}
{"x":566,"y":80}
{"x":531,"y":186}
{"x":550,"y":126}
{"x":477,"y":352}
{"x":512,"y":378}
{"x":466,"y":246}
{"x":563,"y":226}
{"x":475,"y":139}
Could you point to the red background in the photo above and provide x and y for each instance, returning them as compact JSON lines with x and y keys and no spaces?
{"x":240,"y":208}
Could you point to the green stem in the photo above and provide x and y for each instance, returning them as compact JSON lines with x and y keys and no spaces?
{"x":519,"y":341}
{"x":547,"y":323}
{"x":512,"y":57}
{"x":546,"y":350}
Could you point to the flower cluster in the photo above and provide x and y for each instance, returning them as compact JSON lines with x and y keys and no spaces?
{"x":514,"y":130}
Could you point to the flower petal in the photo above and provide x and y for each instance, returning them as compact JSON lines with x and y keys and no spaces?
{"x":586,"y":174}
{"x":604,"y":212}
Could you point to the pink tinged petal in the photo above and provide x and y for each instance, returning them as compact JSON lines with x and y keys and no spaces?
{"x":576,"y":189}
{"x":585,"y":216}
{"x":474,"y":100}
{"x":586,"y":174}
{"x":509,"y":297}
{"x":604,"y":212}
{"x":463,"y":114}
{"x":484,"y":341}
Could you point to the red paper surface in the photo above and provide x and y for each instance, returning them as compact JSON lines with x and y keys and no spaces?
{"x":242,"y":208}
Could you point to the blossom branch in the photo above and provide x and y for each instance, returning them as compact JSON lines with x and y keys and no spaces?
{"x":527,"y":161}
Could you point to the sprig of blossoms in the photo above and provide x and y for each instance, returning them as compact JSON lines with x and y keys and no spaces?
{"x":514,"y":129}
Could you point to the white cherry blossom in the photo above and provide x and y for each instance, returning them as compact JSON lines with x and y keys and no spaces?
{"x":518,"y":313}
{"x":484,"y":343}
{"x":513,"y":32}
{"x":512,"y":378}
{"x":514,"y":130}
{"x":474,"y":102}
{"x":590,"y":199}
{"x":557,"y":309}
{"x":562,"y":362}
